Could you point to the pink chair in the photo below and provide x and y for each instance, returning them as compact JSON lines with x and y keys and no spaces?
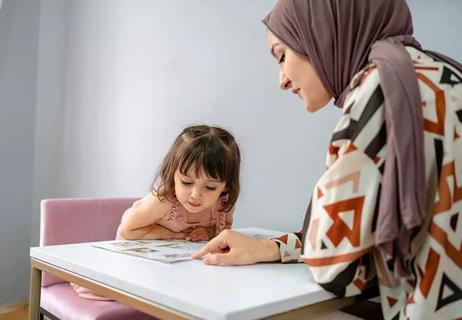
{"x":66,"y":221}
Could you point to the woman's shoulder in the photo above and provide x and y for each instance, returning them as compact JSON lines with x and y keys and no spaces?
{"x":435,"y":75}
{"x":424,"y":62}
{"x":430,"y":72}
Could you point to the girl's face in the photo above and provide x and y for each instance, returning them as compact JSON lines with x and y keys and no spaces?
{"x":197,"y":193}
{"x":297,"y":74}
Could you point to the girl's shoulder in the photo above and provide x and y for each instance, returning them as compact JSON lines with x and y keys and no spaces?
{"x":155,"y":203}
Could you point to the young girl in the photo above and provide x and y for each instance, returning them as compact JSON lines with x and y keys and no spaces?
{"x":192,"y":196}
{"x":194,"y":192}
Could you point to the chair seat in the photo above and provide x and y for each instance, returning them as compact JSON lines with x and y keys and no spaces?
{"x":60,"y":300}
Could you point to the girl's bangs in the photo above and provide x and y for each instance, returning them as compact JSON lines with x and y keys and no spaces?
{"x":203,"y":159}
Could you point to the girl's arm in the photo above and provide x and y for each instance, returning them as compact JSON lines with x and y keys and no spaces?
{"x":157,"y":232}
{"x":138,"y":222}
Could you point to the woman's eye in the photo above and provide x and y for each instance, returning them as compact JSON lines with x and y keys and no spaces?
{"x":211,"y":188}
{"x":186,"y":183}
{"x":283,"y":58}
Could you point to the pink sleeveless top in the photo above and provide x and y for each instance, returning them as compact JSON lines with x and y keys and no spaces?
{"x":178,"y":219}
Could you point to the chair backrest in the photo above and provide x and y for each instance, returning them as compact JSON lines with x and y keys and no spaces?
{"x":64,"y":221}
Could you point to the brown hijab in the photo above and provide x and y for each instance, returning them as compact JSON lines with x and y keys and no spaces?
{"x":339,"y":38}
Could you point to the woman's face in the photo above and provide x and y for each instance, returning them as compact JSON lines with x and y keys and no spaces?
{"x":298,"y":75}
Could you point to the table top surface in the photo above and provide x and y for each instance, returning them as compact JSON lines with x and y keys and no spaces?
{"x":210,"y":292}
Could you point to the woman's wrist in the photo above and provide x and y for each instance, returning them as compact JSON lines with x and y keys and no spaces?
{"x":269,"y":251}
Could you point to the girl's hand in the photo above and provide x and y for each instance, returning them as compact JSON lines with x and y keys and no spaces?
{"x":233,"y":248}
{"x":200,"y":234}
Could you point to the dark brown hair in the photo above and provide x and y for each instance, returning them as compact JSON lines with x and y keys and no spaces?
{"x":201,"y":147}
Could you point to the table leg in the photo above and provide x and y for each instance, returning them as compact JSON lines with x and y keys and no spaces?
{"x":34,"y":299}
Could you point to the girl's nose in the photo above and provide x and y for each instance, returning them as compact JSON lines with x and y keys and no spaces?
{"x":284,"y":82}
{"x":195,"y":193}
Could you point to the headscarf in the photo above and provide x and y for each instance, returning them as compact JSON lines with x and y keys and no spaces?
{"x":341,"y":37}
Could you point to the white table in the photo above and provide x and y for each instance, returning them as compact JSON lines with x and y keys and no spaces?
{"x":185,"y":290}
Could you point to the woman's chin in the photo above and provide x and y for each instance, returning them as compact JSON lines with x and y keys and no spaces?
{"x":312,"y":107}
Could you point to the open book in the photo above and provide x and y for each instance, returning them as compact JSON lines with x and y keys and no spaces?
{"x":160,"y":250}
{"x":169,"y":251}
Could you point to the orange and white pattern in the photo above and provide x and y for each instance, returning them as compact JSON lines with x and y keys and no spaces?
{"x":339,"y":242}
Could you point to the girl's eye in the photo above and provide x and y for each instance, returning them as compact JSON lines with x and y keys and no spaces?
{"x":211,"y":188}
{"x":283,"y":58}
{"x":186,"y":183}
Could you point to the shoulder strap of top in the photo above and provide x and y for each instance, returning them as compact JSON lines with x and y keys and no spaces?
{"x":176,"y":211}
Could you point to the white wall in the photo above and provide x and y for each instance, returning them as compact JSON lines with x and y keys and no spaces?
{"x":49,"y":106}
{"x":18,"y":63}
{"x":137,"y":72}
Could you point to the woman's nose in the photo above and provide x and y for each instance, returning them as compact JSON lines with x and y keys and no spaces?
{"x":284,"y":82}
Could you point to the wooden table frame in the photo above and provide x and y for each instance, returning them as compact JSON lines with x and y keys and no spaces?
{"x":150,"y":307}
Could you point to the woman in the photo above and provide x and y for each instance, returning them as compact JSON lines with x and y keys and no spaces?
{"x":387,"y":207}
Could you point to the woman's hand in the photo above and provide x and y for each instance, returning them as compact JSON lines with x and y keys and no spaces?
{"x":233,"y":248}
{"x":200,"y":234}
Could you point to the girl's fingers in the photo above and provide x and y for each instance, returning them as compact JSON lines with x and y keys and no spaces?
{"x":201,"y":237}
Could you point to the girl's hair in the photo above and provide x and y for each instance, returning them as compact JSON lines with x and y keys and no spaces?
{"x":201,"y":147}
